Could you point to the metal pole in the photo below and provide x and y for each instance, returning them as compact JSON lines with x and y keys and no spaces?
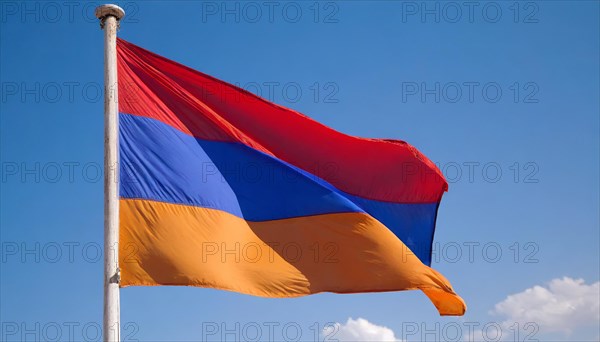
{"x":109,"y":16}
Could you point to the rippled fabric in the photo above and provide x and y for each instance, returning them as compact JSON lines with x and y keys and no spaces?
{"x":220,"y":188}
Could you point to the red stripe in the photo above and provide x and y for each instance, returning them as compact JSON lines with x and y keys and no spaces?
{"x":207,"y":108}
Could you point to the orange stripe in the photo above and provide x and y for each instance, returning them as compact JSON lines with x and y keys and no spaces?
{"x":171,"y":244}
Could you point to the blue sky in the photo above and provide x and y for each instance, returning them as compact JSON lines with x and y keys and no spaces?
{"x":504,"y":96}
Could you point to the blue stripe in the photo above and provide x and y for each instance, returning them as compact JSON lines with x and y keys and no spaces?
{"x":414,"y":224}
{"x":161,"y":163}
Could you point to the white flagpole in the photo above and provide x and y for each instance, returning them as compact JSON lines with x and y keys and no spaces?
{"x":109,"y":16}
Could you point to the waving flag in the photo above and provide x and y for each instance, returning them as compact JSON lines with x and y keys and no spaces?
{"x":220,"y":188}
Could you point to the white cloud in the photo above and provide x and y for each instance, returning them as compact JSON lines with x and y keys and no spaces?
{"x":564,"y":305}
{"x":358,"y":330}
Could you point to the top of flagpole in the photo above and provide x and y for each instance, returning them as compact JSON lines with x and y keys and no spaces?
{"x":106,"y":10}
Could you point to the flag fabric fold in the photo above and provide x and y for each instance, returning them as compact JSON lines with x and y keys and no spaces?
{"x":220,"y":188}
